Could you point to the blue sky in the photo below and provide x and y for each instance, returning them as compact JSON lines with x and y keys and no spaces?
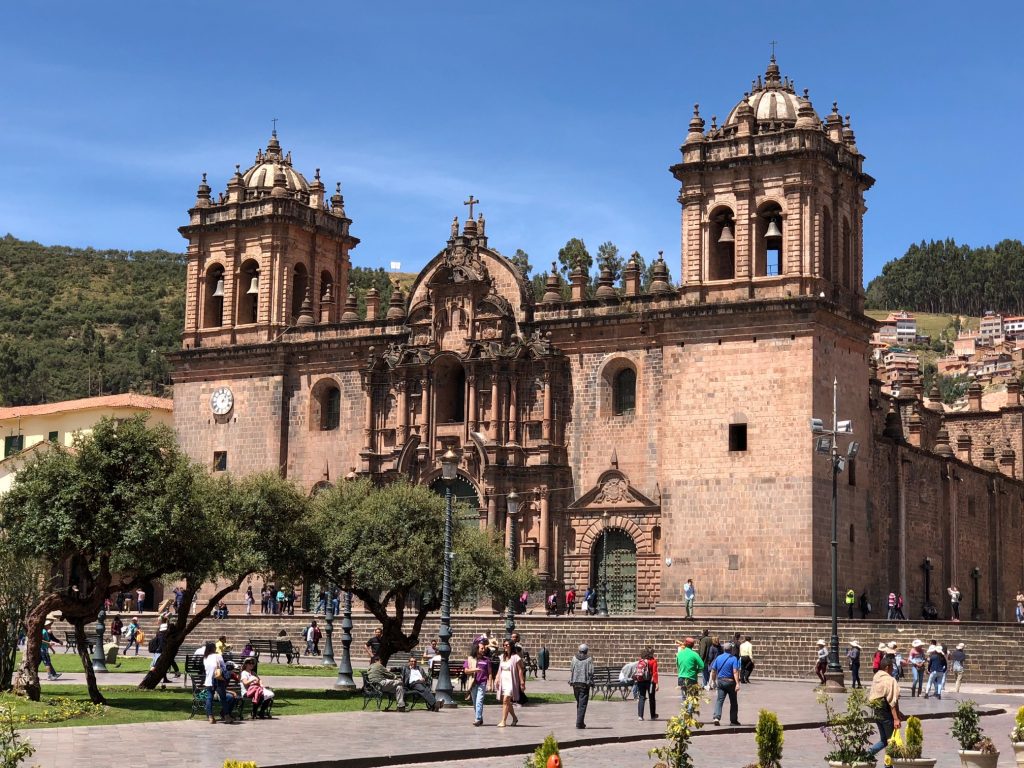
{"x":561,"y":117}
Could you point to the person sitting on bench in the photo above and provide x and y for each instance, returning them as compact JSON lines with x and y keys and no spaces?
{"x":415,"y":678}
{"x":387,"y":681}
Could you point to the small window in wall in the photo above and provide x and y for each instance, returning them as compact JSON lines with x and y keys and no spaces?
{"x":852,"y":536}
{"x":330,"y":409}
{"x":624,"y":400}
{"x":737,"y":437}
{"x":851,"y":471}
{"x":53,"y":437}
{"x":220,"y":461}
{"x":13,"y":444}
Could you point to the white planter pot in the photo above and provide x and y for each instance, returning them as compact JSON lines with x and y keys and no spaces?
{"x":1018,"y":752}
{"x":971,"y":759}
{"x":833,"y":764}
{"x":919,"y":762}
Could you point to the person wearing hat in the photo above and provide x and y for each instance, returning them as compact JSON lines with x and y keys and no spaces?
{"x":853,"y":654}
{"x":689,"y":666}
{"x":253,"y":688}
{"x":957,"y":659}
{"x":821,"y":664}
{"x":44,"y":649}
{"x":936,"y":671}
{"x":897,"y":660}
{"x":918,"y":659}
{"x":581,"y":678}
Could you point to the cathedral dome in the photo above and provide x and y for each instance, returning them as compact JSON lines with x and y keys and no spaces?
{"x":260,"y":178}
{"x":773,"y":102}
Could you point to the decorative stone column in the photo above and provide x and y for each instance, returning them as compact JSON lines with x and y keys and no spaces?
{"x":544,"y":536}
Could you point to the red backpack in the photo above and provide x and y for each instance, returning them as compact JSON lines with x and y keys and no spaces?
{"x":643,"y":671}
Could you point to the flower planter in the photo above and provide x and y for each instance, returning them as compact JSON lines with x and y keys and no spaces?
{"x":834,"y":764}
{"x":970,"y":758}
{"x":917,"y":762}
{"x":1018,"y":752}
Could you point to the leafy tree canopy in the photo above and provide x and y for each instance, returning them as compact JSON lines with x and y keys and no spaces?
{"x":573,"y":255}
{"x":608,"y":258}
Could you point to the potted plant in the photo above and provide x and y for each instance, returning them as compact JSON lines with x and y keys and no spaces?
{"x":976,"y":749}
{"x":769,"y":738}
{"x":848,"y":732}
{"x":909,"y":752}
{"x":1017,"y":737}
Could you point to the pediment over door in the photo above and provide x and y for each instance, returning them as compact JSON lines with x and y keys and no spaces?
{"x":613,"y":491}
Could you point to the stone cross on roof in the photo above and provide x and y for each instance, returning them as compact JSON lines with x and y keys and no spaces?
{"x":471,"y":202}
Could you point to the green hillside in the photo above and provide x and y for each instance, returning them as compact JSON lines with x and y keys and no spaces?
{"x":929,"y":324}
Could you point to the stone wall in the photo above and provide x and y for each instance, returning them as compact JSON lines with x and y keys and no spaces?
{"x":782,"y":648}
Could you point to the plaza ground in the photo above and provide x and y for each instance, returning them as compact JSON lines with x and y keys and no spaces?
{"x":614,"y":737}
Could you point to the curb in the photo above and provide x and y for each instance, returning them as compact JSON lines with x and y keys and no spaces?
{"x":381,"y":761}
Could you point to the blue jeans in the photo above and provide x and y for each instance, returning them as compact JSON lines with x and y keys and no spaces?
{"x":885,"y":729}
{"x":689,"y":607}
{"x":938,"y":679}
{"x":916,"y":679}
{"x":476,"y":692}
{"x":727,"y":687}
{"x":220,"y":687}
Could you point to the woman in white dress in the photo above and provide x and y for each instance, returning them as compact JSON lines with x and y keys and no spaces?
{"x":509,"y":682}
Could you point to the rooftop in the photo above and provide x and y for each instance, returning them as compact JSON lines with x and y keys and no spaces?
{"x":127,"y":400}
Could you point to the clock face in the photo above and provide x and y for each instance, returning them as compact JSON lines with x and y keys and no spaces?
{"x":221,"y":401}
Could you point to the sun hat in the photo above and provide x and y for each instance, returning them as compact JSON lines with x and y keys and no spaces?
{"x":821,"y":642}
{"x":917,"y":644}
{"x":48,"y":623}
{"x":892,"y":645}
{"x":854,"y":643}
{"x":883,"y":647}
{"x":961,"y":646}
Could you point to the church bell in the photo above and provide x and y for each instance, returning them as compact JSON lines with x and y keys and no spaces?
{"x":218,"y":291}
{"x":726,"y":236}
{"x":254,"y":287}
{"x":773,"y":230}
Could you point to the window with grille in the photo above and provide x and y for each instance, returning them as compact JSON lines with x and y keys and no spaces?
{"x":624,"y":401}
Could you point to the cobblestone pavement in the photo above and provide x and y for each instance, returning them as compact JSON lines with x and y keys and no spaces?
{"x":391,"y":739}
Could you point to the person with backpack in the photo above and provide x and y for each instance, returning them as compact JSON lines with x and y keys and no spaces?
{"x":132,"y":632}
{"x":725,"y":674}
{"x":581,"y":678}
{"x":156,"y":647}
{"x":956,"y":662}
{"x":703,"y":648}
{"x":646,"y":677}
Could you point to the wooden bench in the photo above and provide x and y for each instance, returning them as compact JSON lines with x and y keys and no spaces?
{"x":71,"y":644}
{"x":200,"y":692}
{"x":606,"y":681}
{"x":398,"y":661}
{"x":274,"y":649}
{"x":455,"y":671}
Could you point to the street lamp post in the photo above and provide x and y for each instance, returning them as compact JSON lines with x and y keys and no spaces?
{"x":976,"y":610}
{"x":345,"y":681}
{"x":603,"y":591}
{"x":328,"y":656}
{"x":449,"y":467}
{"x":99,"y":660}
{"x":512,"y":510}
{"x":827,"y":444}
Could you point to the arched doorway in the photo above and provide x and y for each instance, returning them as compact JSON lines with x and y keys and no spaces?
{"x":617,"y":573}
{"x":465,"y":500}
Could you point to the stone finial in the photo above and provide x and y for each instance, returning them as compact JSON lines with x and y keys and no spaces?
{"x":659,"y":275}
{"x":772,"y":77}
{"x":849,"y":139}
{"x":606,"y":286}
{"x":1008,"y":461}
{"x":469,"y":228}
{"x":337,"y":201}
{"x":480,"y":224}
{"x":974,"y":396}
{"x":372,"y":304}
{"x":893,"y":423}
{"x":963,"y":448}
{"x":934,"y":400}
{"x":306,"y":310}
{"x":834,"y":124}
{"x":351,"y":313}
{"x":396,"y":307}
{"x":1012,"y":393}
{"x":745,"y":117}
{"x":696,"y":133}
{"x":942,"y":446}
{"x":915,"y":426}
{"x":316,"y":192}
{"x":203,"y":194}
{"x":236,"y":186}
{"x":988,"y":458}
{"x":455,"y":228}
{"x":805,"y":116}
{"x":631,"y":275}
{"x":578,"y":281}
{"x":280,"y":188}
{"x":552,"y":287}
{"x":326,"y":303}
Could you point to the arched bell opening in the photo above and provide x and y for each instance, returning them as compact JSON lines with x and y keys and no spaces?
{"x":213,"y":303}
{"x":248,"y":292}
{"x":300,"y":281}
{"x":723,"y":245}
{"x":768,"y":238}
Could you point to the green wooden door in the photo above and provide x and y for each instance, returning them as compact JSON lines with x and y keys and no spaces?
{"x":617,"y":574}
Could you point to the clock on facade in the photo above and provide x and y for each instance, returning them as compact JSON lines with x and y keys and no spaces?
{"x":221,"y":401}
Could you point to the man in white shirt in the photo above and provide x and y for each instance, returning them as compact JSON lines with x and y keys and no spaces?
{"x":415,"y":678}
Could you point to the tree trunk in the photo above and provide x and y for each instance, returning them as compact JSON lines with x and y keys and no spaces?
{"x":83,"y":653}
{"x":27,"y":678}
{"x":181,"y":628}
{"x":393,"y":637}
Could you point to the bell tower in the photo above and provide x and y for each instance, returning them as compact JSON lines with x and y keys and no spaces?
{"x":268,"y":254}
{"x":772,"y":201}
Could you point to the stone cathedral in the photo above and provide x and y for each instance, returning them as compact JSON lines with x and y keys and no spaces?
{"x":653,"y":436}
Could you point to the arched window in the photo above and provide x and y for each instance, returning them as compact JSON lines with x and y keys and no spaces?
{"x":826,"y":244}
{"x":330,"y":409}
{"x":768,"y":241}
{"x":213,"y":302}
{"x":449,"y":391}
{"x":624,"y":394}
{"x":300,"y":280}
{"x":722,"y":264}
{"x":248,"y":291}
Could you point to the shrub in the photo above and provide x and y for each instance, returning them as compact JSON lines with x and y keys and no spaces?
{"x":539,"y":758}
{"x":768,"y":736}
{"x":967,"y":731}
{"x":239,"y":764}
{"x":1017,"y":734}
{"x":679,"y":731}
{"x":12,"y":749}
{"x":911,"y":748}
{"x":848,"y":732}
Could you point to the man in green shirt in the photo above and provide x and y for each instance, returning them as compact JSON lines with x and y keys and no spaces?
{"x":688,"y":665}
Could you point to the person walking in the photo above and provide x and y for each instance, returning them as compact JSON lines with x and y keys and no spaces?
{"x":746,"y":659}
{"x":703,"y":648}
{"x":689,"y":664}
{"x":581,"y":678}
{"x":249,"y":601}
{"x":570,"y":602}
{"x":478,"y":667}
{"x":45,"y":646}
{"x":865,"y":605}
{"x":132,"y":633}
{"x":957,"y":659}
{"x":646,"y":677}
{"x":509,"y":682}
{"x":884,"y":699}
{"x":918,"y":660}
{"x":725,"y":674}
{"x":821,"y":662}
{"x":936,"y":671}
{"x":689,"y":592}
{"x":853,"y":654}
{"x":891,"y":615}
{"x":851,"y":600}
{"x":899,"y":607}
{"x":954,"y":601}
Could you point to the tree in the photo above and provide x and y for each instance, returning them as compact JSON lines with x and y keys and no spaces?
{"x":574,"y":255}
{"x":608,"y":258}
{"x":261,"y":518}
{"x":21,"y":581}
{"x":522,"y":262}
{"x":100,"y":516}
{"x":386,"y":545}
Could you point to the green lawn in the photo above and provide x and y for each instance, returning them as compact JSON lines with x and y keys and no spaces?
{"x":69,"y":662}
{"x":130,"y":705}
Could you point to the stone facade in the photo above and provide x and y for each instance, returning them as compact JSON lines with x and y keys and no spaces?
{"x":668,"y":427}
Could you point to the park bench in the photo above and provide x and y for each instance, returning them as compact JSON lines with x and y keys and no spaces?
{"x":194,"y":669}
{"x":199,"y":694}
{"x":71,"y":643}
{"x":606,"y":681}
{"x":274,"y":649}
{"x":397,"y":661}
{"x":455,"y":671}
{"x":529,"y":665}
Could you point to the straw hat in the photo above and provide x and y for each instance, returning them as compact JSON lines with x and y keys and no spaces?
{"x":821,"y":642}
{"x":961,"y":646}
{"x":917,"y":644}
{"x":892,"y":645}
{"x":855,"y":644}
{"x":883,"y":647}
